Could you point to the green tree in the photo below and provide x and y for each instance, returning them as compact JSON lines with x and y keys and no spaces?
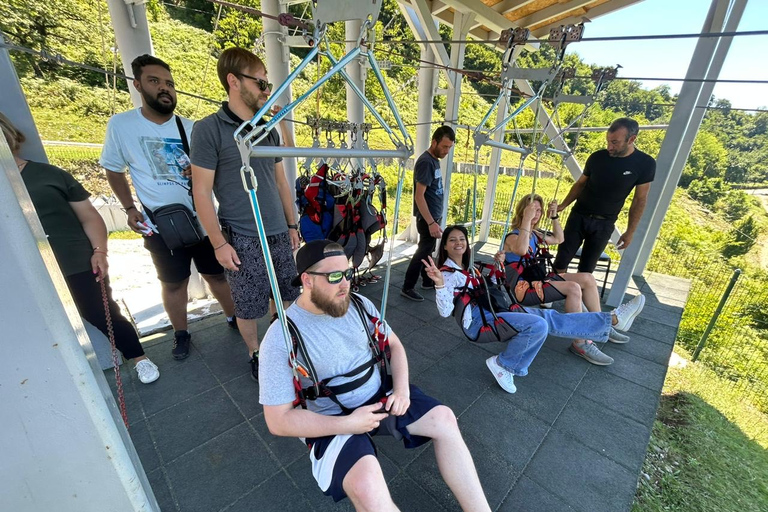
{"x":742,"y":237}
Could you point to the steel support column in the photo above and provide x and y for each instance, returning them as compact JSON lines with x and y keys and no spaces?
{"x":732,"y":23}
{"x":493,"y":174}
{"x":462,"y":22}
{"x":279,"y":67}
{"x":667,"y":173}
{"x":14,"y":105}
{"x":129,"y":21}
{"x":356,"y":72}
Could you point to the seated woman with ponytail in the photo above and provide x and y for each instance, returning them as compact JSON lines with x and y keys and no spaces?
{"x":526,"y":262}
{"x":451,"y":281}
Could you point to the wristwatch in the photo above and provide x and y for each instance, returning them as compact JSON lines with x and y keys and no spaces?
{"x":293,"y":226}
{"x":555,"y":217}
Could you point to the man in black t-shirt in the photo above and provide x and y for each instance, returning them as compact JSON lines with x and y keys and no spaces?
{"x":428,"y":203}
{"x":609,"y":177}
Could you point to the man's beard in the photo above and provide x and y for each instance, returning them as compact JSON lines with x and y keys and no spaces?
{"x":157,"y":106}
{"x":328,"y":305}
{"x":250,"y":100}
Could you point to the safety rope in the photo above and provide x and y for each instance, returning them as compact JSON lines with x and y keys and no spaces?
{"x":115,"y":355}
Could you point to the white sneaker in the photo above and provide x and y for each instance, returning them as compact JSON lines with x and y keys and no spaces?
{"x":505,"y":379}
{"x":616,"y":337}
{"x":626,"y":313}
{"x":147,"y":371}
{"x":545,"y":305}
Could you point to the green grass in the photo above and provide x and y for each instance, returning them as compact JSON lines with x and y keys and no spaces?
{"x":124,"y":235}
{"x":708,"y":449}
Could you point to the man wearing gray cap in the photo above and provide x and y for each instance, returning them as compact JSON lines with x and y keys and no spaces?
{"x":341,"y":348}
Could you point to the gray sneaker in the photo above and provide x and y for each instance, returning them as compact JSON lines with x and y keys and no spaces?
{"x":616,"y":337}
{"x":412,"y":294}
{"x":591,"y":353}
{"x":626,"y":313}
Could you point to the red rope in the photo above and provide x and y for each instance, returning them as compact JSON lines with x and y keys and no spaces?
{"x":115,"y":356}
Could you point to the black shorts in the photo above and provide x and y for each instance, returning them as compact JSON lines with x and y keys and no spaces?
{"x":595,"y":233}
{"x":333,"y":456}
{"x":174,"y":267}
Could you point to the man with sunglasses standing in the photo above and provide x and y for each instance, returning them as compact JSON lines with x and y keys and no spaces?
{"x":151,"y":143}
{"x":216,"y":164}
{"x":360,"y":398}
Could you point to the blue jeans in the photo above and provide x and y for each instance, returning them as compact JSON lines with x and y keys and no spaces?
{"x":533,"y":328}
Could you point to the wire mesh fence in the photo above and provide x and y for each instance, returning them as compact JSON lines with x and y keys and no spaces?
{"x":82,"y":161}
{"x":725,"y":317}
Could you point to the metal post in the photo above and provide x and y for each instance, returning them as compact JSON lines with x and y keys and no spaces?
{"x":678,"y":125}
{"x":462,"y":22}
{"x":14,"y":105}
{"x":356,"y":71}
{"x":129,"y":20}
{"x":690,"y":135}
{"x":278,"y":67}
{"x":716,"y":314}
{"x":493,"y":174}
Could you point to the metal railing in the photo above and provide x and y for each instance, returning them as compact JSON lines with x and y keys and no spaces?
{"x":724,"y":325}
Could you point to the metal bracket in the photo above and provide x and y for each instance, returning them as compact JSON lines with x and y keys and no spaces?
{"x":330,"y":11}
{"x":534,"y":74}
{"x":564,"y":35}
{"x":573,"y":98}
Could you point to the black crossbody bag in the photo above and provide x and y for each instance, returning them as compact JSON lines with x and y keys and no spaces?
{"x":177,"y":224}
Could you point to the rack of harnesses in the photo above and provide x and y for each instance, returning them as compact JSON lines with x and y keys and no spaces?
{"x":251,"y":132}
{"x":378,"y":342}
{"x":338,"y":201}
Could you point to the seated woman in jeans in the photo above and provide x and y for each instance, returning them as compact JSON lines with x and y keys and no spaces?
{"x":533,"y":327}
{"x":525,"y":241}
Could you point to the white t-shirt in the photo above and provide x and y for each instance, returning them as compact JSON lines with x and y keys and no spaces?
{"x":152,"y":153}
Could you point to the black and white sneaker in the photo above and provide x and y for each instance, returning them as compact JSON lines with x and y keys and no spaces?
{"x":233,"y":323}
{"x":412,"y":294}
{"x":181,"y":341}
{"x":254,"y":362}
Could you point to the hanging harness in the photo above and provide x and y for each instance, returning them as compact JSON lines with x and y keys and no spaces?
{"x":475,"y":292}
{"x":378,"y":342}
{"x":528,"y":280}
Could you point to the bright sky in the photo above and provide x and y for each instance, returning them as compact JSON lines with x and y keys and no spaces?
{"x":671,"y":57}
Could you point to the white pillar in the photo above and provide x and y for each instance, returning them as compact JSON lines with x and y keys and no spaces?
{"x":279,"y":67}
{"x":493,"y":174}
{"x":671,"y":148}
{"x":14,"y":105}
{"x":462,"y":22}
{"x":63,"y":444}
{"x":356,"y":72}
{"x":129,"y":20}
{"x":690,"y":135}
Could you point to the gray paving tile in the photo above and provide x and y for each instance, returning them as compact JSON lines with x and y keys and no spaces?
{"x":189,"y":424}
{"x":432,"y":342}
{"x":662,"y":314}
{"x":227,"y":360}
{"x":655,"y":330}
{"x":160,"y":354}
{"x":621,"y":439}
{"x":555,"y":361}
{"x":513,"y":433}
{"x":277,"y":494}
{"x":456,"y":392}
{"x":402,"y":323}
{"x":188,"y":379}
{"x":467,"y":361}
{"x":160,"y":489}
{"x":580,"y":476}
{"x":417,"y":362}
{"x":407,"y":495}
{"x":496,"y":474}
{"x":636,"y":369}
{"x":284,"y":449}
{"x":620,"y":395}
{"x":529,"y":496}
{"x":217,"y":473}
{"x":646,"y":348}
{"x":144,"y":446}
{"x":538,"y":394}
{"x":245,"y":393}
{"x":425,"y":311}
{"x":301,"y":474}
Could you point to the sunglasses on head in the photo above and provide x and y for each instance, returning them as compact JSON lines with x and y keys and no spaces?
{"x":263,"y":84}
{"x":335,"y":276}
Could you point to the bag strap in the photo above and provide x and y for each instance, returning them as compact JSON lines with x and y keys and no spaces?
{"x":183,"y":135}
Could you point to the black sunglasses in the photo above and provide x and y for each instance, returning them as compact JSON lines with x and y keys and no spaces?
{"x":263,"y":84}
{"x":335,"y":276}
